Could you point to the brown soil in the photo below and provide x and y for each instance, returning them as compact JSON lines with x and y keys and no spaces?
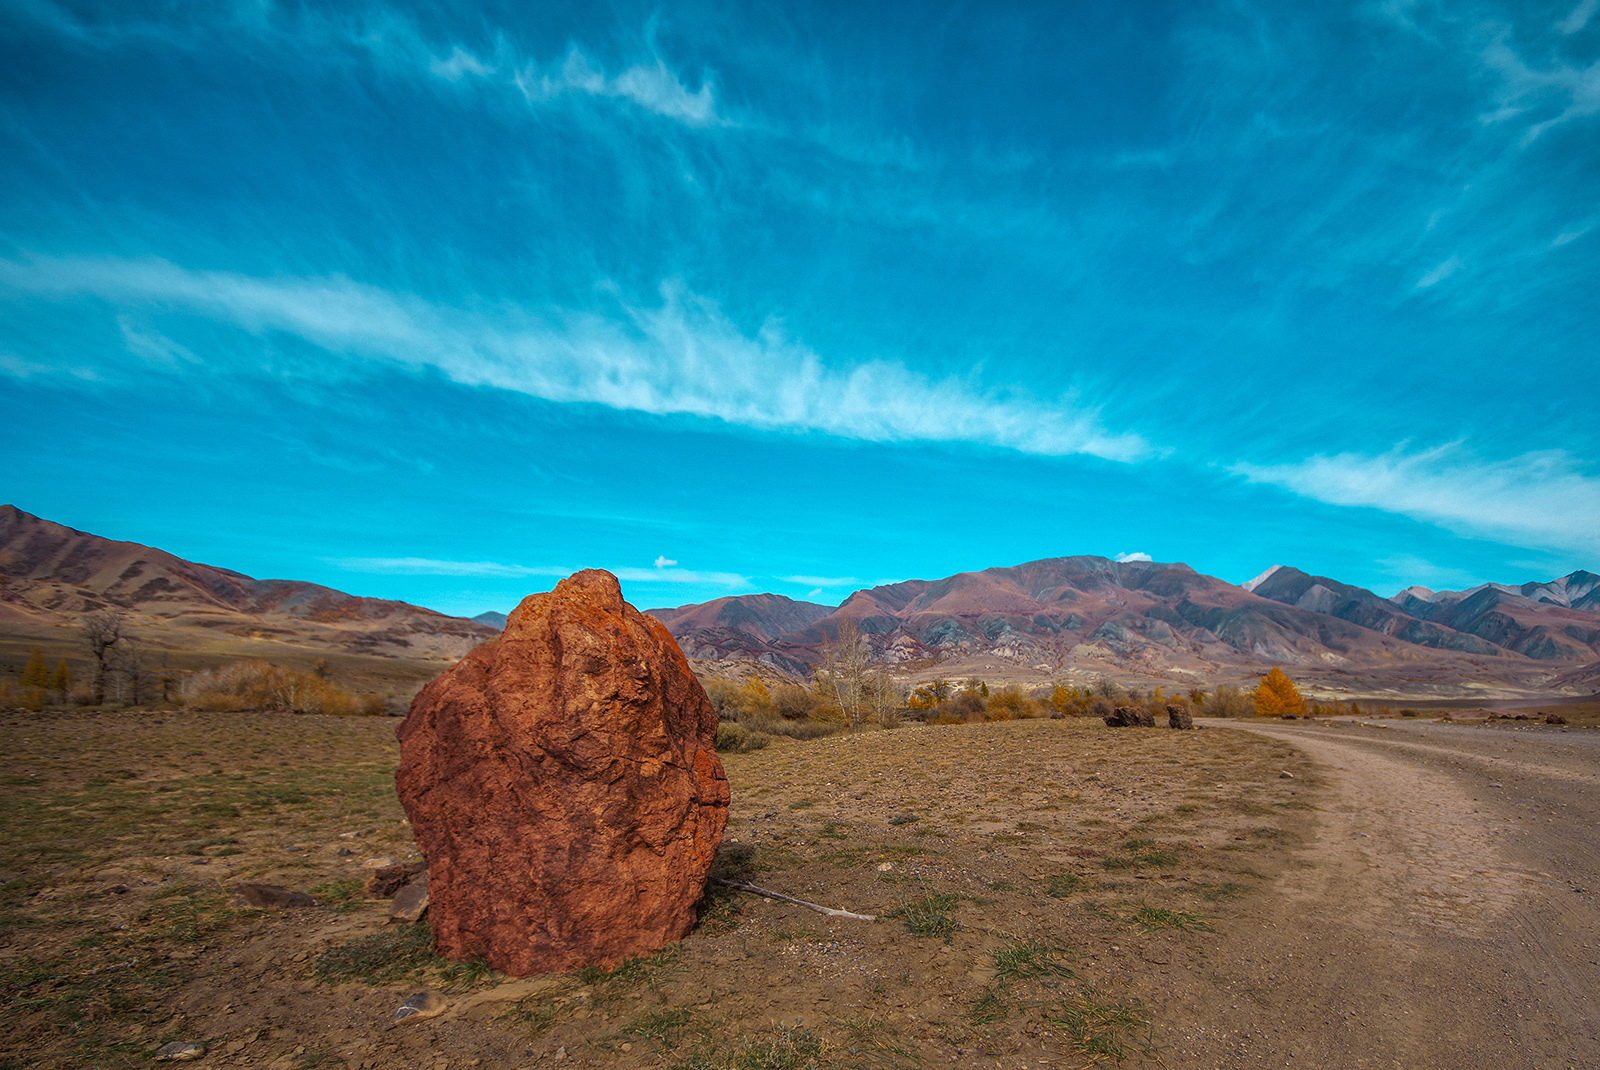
{"x":1443,"y":914}
{"x":1066,"y":879}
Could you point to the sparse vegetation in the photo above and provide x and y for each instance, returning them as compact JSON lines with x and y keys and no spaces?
{"x":264,"y":687}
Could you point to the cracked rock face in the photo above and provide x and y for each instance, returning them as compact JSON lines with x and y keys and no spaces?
{"x":563,"y":786}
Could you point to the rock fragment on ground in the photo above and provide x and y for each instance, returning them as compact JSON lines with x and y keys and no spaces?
{"x":1179,"y":717}
{"x":267,"y":897}
{"x":425,"y":1004}
{"x":385,"y":882}
{"x":410,"y":902}
{"x":563,"y":786}
{"x":179,"y":1051}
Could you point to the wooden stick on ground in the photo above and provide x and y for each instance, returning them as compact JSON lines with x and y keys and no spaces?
{"x":798,"y":902}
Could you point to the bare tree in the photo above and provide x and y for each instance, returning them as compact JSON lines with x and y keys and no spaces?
{"x":103,"y":630}
{"x":884,"y":698}
{"x":843,"y":671}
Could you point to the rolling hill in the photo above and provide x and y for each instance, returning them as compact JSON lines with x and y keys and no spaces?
{"x":51,"y":575}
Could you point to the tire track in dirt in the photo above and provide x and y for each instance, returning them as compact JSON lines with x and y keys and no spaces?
{"x":1436,"y":918}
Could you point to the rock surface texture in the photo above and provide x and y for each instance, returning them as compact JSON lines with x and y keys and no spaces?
{"x":563,"y":786}
{"x":1179,"y":717}
{"x":1130,"y":717}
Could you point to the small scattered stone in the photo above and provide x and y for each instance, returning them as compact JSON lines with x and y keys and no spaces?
{"x":627,"y":1048}
{"x":884,"y":867}
{"x":179,"y":1051}
{"x":344,"y":852}
{"x":294,"y":848}
{"x":1286,"y":775}
{"x":118,"y":889}
{"x":411,"y":902}
{"x":425,"y":1004}
{"x":267,"y":897}
{"x":384,"y":883}
{"x":378,"y":863}
{"x":201,"y":862}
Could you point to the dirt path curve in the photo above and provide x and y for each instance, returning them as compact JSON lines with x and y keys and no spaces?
{"x":1445,"y":913}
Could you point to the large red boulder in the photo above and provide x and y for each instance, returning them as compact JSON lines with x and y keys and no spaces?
{"x":563,"y":786}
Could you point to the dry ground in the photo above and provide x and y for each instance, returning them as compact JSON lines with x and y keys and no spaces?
{"x":1043,"y":888}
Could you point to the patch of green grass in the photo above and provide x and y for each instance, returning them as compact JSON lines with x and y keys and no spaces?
{"x":392,"y":953}
{"x":1001,"y":886}
{"x":343,"y":895}
{"x":631,"y":971}
{"x":459,"y":976}
{"x":835,"y":830}
{"x":789,"y":1048}
{"x":802,"y":804}
{"x":1188,"y":808}
{"x":928,"y":916}
{"x":1137,"y":843}
{"x":663,"y":1028}
{"x":903,"y":819}
{"x":1104,"y":1032}
{"x":1217,"y":892}
{"x":1028,"y":962}
{"x":1061,"y":885}
{"x":1154,"y":919}
{"x":988,"y":1009}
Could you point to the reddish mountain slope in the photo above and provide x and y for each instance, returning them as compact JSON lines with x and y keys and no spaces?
{"x":1090,"y":614}
{"x":51,"y":574}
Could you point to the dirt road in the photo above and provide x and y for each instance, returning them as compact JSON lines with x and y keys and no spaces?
{"x":1445,"y":911}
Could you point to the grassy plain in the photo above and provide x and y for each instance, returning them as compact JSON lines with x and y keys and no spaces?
{"x":1041,"y":886}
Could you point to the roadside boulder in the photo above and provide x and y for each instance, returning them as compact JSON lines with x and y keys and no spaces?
{"x":1130,"y":717}
{"x":563,"y":787}
{"x":1179,"y":717}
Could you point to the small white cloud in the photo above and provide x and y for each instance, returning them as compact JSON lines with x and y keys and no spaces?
{"x":822,"y":581}
{"x":1569,"y":236}
{"x":653,"y":87}
{"x":1536,"y":499}
{"x":815,"y":593}
{"x":664,"y":561}
{"x":1440,"y":273}
{"x":1136,"y":556}
{"x":1579,"y":17}
{"x":153,"y":346}
{"x":459,"y":64}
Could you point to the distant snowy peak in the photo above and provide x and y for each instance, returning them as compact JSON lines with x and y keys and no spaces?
{"x":1251,"y":585}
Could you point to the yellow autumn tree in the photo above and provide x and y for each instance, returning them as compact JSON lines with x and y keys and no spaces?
{"x":1277,"y":696}
{"x":34,"y":673}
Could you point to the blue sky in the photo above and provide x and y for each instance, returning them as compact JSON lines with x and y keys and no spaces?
{"x":439,"y":302}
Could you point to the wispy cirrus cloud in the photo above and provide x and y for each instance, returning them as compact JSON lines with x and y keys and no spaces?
{"x":427,"y":566}
{"x":394,"y":41}
{"x":1536,"y":499}
{"x":680,"y":357}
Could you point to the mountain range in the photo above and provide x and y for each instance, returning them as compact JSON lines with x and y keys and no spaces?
{"x":1086,"y":616}
{"x":51,"y":575}
{"x":1065,"y":618}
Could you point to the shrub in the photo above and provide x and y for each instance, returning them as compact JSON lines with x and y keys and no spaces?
{"x":794,"y":702}
{"x":737,"y":739}
{"x":794,"y":729}
{"x":262,"y":686}
{"x":1009,"y":703}
{"x":1228,"y":701}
